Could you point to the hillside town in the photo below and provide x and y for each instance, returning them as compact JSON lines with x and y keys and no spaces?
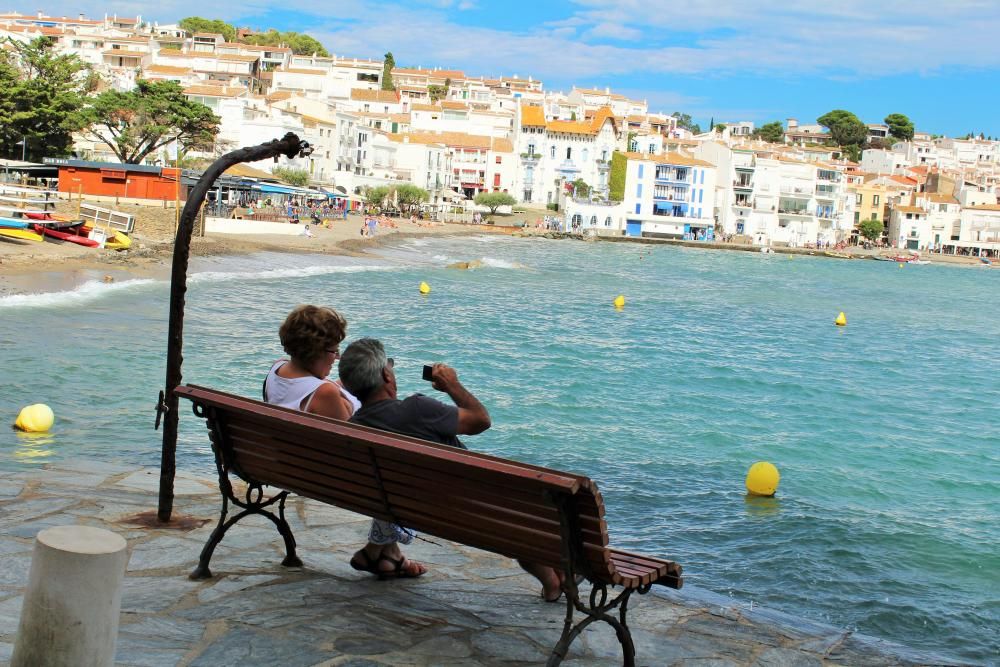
{"x":596,"y":161}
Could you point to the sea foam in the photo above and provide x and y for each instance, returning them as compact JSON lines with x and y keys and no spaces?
{"x":83,"y":294}
{"x":270,"y":274}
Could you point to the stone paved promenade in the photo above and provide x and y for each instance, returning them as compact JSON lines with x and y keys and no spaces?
{"x":473,"y":608}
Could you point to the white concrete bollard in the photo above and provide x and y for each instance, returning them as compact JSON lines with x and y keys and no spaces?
{"x":71,"y":606}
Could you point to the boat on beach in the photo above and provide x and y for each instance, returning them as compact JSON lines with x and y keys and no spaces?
{"x":15,"y":234}
{"x":62,"y":235}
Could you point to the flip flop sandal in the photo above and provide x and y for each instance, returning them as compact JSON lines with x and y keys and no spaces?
{"x":370,"y":565}
{"x":398,"y":571}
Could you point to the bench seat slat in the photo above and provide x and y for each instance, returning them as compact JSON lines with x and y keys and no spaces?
{"x":350,"y":475}
{"x":507,"y":531}
{"x":340,"y":468}
{"x":306,"y":426}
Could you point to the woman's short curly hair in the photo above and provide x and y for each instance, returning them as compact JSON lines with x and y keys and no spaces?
{"x":309,"y":331}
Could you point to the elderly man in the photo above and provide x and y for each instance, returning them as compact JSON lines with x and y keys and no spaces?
{"x":368,"y":374}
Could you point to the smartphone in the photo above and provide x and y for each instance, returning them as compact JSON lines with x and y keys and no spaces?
{"x":428,"y":373}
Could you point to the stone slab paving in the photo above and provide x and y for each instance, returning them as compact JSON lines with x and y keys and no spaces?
{"x":473,"y":608}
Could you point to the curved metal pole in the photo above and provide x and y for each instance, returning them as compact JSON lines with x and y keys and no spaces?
{"x":289,"y":146}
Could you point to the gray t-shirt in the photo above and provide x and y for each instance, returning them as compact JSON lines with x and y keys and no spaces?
{"x":418,"y":416}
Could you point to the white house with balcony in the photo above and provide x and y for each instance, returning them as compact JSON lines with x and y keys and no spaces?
{"x":669,"y":196}
{"x":555,"y":152}
{"x":979,"y":233}
{"x":798,"y":203}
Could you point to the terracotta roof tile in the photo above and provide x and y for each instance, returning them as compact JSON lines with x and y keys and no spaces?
{"x":215,"y":91}
{"x":503,"y":145}
{"x":670,"y":158}
{"x":168,"y":69}
{"x":365,"y":95}
{"x":532,"y":116}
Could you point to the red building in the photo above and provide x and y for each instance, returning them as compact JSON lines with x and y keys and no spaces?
{"x":110,"y":179}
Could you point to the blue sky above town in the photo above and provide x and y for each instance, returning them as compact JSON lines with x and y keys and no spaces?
{"x":935,"y":61}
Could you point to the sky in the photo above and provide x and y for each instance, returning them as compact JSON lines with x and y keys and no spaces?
{"x":937,"y":61}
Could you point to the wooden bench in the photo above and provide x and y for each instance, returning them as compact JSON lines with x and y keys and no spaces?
{"x":518,"y":510}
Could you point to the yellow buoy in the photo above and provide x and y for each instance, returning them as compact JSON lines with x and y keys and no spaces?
{"x":762,"y":479}
{"x":841,"y":320}
{"x":900,"y":265}
{"x":425,"y":288}
{"x":36,"y":418}
{"x":620,"y":301}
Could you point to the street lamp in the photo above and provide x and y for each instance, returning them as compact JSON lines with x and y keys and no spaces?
{"x":24,"y":147}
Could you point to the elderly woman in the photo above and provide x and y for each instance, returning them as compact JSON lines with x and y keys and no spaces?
{"x":311,"y":336}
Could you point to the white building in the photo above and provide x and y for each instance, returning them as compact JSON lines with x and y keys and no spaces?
{"x":556,"y":152}
{"x":669,"y":196}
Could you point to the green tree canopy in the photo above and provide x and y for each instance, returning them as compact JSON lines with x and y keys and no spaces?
{"x":871,"y":229}
{"x":300,"y":44}
{"x":292,"y":176}
{"x":684,"y":120}
{"x":193,"y":24}
{"x":845,"y":128}
{"x":41,"y":93}
{"x":376,"y":196}
{"x":494,"y":200}
{"x":436,"y":92}
{"x":409,"y":196}
{"x":773,"y":132}
{"x":900,"y":127}
{"x":581,"y":188}
{"x":154,"y":114}
{"x":387,"y":65}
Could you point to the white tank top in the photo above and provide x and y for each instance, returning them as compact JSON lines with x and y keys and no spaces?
{"x":297,"y":393}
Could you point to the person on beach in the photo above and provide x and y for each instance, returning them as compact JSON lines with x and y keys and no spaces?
{"x":369,"y":374}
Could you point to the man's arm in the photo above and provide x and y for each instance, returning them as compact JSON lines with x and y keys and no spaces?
{"x":472,"y":415}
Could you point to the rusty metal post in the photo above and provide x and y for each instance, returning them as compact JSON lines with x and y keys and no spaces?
{"x":290,"y":146}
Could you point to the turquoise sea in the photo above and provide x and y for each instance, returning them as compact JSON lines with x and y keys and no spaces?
{"x":886,"y":432}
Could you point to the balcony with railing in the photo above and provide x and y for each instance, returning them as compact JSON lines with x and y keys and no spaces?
{"x":670,"y":194}
{"x":744,"y":201}
{"x":797,"y":211}
{"x":743,"y":184}
{"x":828,"y":175}
{"x":568,"y":167}
{"x":672,"y":174}
{"x":677,"y":210}
{"x":826,"y":191}
{"x":797,"y":191}
{"x":825,"y":212}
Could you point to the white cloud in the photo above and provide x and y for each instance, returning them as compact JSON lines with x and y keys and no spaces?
{"x":858,"y":36}
{"x":608,"y":38}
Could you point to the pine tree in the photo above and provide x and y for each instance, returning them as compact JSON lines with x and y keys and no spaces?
{"x":387,"y":66}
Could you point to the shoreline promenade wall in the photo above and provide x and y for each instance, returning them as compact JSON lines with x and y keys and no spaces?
{"x":473,"y":608}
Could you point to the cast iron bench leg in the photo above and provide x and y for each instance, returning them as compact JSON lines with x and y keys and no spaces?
{"x":252,"y":506}
{"x":596,"y":611}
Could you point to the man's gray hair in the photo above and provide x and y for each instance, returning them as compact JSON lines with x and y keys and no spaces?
{"x":361,"y":367}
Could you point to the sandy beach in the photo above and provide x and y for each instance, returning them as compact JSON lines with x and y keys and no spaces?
{"x":32,"y":267}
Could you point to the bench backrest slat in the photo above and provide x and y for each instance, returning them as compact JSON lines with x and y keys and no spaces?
{"x":480,"y":500}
